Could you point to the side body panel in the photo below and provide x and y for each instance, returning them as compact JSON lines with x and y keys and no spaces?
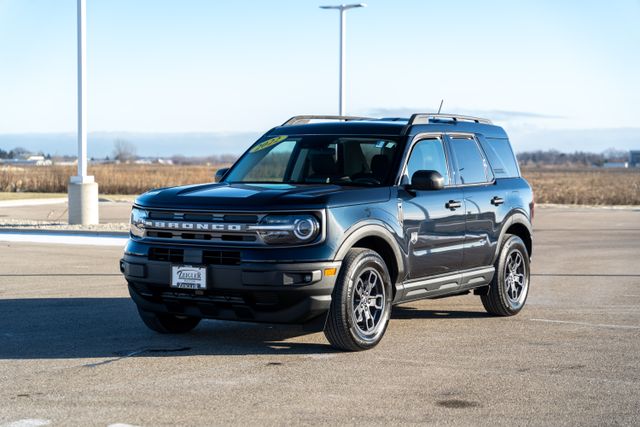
{"x":435,"y":233}
{"x":484,"y":220}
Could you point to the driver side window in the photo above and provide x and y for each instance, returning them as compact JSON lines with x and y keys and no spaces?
{"x":428,"y":154}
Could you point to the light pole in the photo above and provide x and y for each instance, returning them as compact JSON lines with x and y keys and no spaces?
{"x":83,"y":190}
{"x":343,"y":43}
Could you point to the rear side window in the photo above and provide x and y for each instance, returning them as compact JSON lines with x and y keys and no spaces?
{"x":501,"y":157}
{"x":470,"y":163}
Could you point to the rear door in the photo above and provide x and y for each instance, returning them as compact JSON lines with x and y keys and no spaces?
{"x":483,"y":200}
{"x":433,"y":221}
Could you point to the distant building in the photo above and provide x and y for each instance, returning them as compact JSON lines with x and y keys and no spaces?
{"x":93,"y":161}
{"x":612,"y":165}
{"x":29,"y":161}
{"x":39,"y":161}
{"x":153,"y":161}
{"x":66,"y":163}
{"x":634,"y":159}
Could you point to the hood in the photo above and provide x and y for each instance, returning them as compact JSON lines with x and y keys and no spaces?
{"x":261,"y":197}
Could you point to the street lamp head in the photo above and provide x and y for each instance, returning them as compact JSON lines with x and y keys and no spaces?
{"x":354,"y":5}
{"x":345,"y":6}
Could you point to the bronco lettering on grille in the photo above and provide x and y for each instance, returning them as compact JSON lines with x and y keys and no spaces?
{"x":201,"y":226}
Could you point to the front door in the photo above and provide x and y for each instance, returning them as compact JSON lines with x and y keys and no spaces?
{"x":433,"y":221}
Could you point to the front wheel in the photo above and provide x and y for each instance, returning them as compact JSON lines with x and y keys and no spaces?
{"x":510,"y":285}
{"x":168,"y":323}
{"x":360,"y":303}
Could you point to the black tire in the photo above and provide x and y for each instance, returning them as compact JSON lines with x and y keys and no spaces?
{"x":168,"y":323}
{"x":501,"y":299}
{"x":343,"y":329}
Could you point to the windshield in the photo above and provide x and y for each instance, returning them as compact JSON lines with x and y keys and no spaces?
{"x":314,"y":159}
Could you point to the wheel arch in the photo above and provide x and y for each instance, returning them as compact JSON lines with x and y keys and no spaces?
{"x":517,"y":224}
{"x":379,"y":239}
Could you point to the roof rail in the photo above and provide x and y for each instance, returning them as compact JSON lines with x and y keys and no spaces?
{"x":425,"y":118}
{"x":299,"y":120}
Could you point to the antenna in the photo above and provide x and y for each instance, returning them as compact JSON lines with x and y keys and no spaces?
{"x":440,"y":109}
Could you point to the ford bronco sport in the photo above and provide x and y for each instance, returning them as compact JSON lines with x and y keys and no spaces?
{"x":338,"y":218}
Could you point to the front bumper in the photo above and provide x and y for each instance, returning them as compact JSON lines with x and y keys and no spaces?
{"x":258,"y":292}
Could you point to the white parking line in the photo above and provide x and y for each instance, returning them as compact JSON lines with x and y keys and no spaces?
{"x":63,"y":239}
{"x":595,"y":325}
{"x":28,"y":422}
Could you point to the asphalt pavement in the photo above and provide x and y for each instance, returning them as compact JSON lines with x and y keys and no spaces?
{"x":73,"y":351}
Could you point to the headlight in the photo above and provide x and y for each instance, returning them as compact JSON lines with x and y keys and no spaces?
{"x":138,"y":219}
{"x":288,"y":229}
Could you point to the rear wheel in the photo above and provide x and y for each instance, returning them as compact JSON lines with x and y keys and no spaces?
{"x":360,"y":303}
{"x":168,"y":323}
{"x":510,"y":285}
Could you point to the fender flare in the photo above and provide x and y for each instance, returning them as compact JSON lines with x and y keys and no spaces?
{"x":372,"y":230}
{"x":516,"y":218}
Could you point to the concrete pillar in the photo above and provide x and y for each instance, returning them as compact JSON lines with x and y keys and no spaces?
{"x":83,"y":201}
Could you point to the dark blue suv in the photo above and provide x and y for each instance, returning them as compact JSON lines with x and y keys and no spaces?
{"x":336,"y":219}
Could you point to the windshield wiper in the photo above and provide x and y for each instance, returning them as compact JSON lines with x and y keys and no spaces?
{"x":352,"y":183}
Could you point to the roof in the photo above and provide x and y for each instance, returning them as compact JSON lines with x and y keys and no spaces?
{"x":360,"y":127}
{"x":387,"y":127}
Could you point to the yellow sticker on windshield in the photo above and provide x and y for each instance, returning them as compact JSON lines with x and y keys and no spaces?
{"x":268,"y":143}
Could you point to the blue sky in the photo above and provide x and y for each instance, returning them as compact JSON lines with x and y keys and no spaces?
{"x":536,"y":67}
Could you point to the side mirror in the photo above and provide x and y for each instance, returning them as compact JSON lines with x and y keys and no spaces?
{"x":427,"y":180}
{"x":220,"y":173}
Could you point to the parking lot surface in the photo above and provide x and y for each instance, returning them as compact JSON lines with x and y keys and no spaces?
{"x":73,"y":351}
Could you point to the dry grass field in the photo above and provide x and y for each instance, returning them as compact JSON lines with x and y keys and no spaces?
{"x":592,"y":186}
{"x":567,"y":186}
{"x":113,"y":179}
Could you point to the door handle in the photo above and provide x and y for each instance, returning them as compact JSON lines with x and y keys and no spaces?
{"x":453,"y":204}
{"x":496,"y":201}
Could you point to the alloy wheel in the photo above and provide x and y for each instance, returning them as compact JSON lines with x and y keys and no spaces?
{"x":368,"y":301}
{"x":516,"y":281}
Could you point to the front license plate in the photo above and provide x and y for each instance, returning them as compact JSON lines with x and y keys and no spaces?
{"x":188,"y":277}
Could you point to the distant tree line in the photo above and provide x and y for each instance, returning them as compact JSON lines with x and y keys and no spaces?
{"x":125,"y":152}
{"x":217,"y":159}
{"x":20,"y":153}
{"x":577,"y":158}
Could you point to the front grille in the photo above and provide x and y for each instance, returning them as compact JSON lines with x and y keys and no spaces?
{"x":199,"y":216}
{"x":221,"y":257}
{"x":176,"y":256}
{"x":200,"y":236}
{"x":232,"y":298}
{"x":210,"y":227}
{"x":166,"y":254}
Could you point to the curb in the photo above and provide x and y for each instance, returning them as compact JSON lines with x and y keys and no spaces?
{"x":53,"y":201}
{"x":87,"y":233}
{"x":32,"y":202}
